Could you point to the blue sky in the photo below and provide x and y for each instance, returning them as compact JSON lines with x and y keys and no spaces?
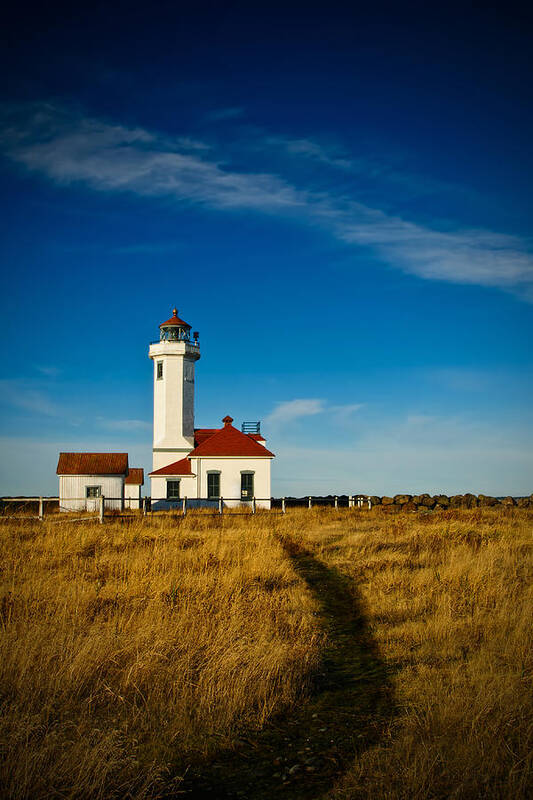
{"x":339,"y":201}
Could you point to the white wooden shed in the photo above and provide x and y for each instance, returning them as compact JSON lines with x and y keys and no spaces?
{"x":85,"y":477}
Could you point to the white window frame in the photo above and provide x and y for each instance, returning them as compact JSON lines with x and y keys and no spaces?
{"x":243,"y":495}
{"x":89,"y":495}
{"x":217,"y":473}
{"x":159,"y":369}
{"x":173,"y":480}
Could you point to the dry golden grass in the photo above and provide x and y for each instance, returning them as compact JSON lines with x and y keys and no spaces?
{"x":449,"y":601}
{"x":129,"y":652}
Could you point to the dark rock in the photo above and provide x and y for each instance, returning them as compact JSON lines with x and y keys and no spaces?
{"x":508,"y":501}
{"x":386,"y":501}
{"x":523,"y":502}
{"x":375,"y":500}
{"x":424,"y":500}
{"x":401,"y":499}
{"x":456,"y":501}
{"x":470,"y":500}
{"x":391,"y":507}
{"x":410,"y":506}
{"x":442,"y":500}
{"x":486,"y":500}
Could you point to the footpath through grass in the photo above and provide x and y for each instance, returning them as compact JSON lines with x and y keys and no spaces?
{"x":303,"y":753}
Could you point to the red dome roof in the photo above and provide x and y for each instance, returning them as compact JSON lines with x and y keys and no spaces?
{"x":175,"y":320}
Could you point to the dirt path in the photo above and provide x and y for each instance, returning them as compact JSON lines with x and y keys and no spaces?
{"x":302,"y":755}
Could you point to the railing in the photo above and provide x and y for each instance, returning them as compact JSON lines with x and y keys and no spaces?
{"x":251,"y":427}
{"x":145,"y":504}
{"x":177,"y":341}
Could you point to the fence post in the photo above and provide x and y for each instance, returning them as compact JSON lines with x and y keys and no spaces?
{"x":336,"y":501}
{"x":184,"y":506}
{"x":350,"y":501}
{"x":41,"y":509}
{"x":144,"y":506}
{"x":253,"y":505}
{"x":282,"y":505}
{"x":369,"y":502}
{"x":310,"y":502}
{"x":101,"y":513}
{"x":220,"y":505}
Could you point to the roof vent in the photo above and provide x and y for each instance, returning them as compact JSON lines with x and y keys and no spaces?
{"x":251,"y":427}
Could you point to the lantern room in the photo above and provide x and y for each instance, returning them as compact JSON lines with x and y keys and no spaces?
{"x":176,"y":330}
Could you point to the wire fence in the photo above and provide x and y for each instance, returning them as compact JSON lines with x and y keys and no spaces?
{"x":25,"y":508}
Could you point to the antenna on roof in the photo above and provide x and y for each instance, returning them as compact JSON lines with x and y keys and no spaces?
{"x":251,"y":427}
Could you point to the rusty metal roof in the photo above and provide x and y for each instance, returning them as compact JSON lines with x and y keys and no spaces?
{"x":135,"y":476}
{"x":92,"y":464}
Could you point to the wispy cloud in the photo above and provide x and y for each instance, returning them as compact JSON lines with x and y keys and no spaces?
{"x":123,"y":424}
{"x":69,"y":148}
{"x":73,"y":149}
{"x":222,"y":114}
{"x":476,"y":257}
{"x":48,"y":370}
{"x":315,"y":151}
{"x":21,"y":394}
{"x":291,"y":410}
{"x":343,"y":414}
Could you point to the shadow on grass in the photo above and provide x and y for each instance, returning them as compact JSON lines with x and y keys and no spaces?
{"x":303,"y":754}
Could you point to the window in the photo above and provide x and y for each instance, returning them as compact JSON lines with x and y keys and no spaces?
{"x":213,"y":485}
{"x":159,"y":370}
{"x":247,"y":485}
{"x":93,"y":491}
{"x":173,"y":490}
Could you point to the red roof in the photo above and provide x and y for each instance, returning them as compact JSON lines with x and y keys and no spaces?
{"x":92,"y":464}
{"x":182,"y":467}
{"x":175,"y":320}
{"x":135,"y":476}
{"x":201,"y":434}
{"x":228,"y":441}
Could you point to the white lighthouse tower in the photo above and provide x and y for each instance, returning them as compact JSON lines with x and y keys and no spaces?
{"x":174,"y":356}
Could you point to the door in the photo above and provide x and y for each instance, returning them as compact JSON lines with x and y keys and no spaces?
{"x":93,"y":495}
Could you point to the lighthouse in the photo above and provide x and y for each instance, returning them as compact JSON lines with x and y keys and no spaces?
{"x":199,"y":466}
{"x":174,"y":357}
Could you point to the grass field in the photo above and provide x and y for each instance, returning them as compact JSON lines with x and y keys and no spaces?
{"x":319,"y":654}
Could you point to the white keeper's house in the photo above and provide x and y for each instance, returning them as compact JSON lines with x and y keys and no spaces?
{"x":201,"y":464}
{"x":204,"y":465}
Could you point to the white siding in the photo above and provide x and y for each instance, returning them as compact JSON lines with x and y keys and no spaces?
{"x":132,"y":495}
{"x":230,"y":482}
{"x":72,"y":492}
{"x":159,"y":491}
{"x":230,"y":478}
{"x":173,"y":400}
